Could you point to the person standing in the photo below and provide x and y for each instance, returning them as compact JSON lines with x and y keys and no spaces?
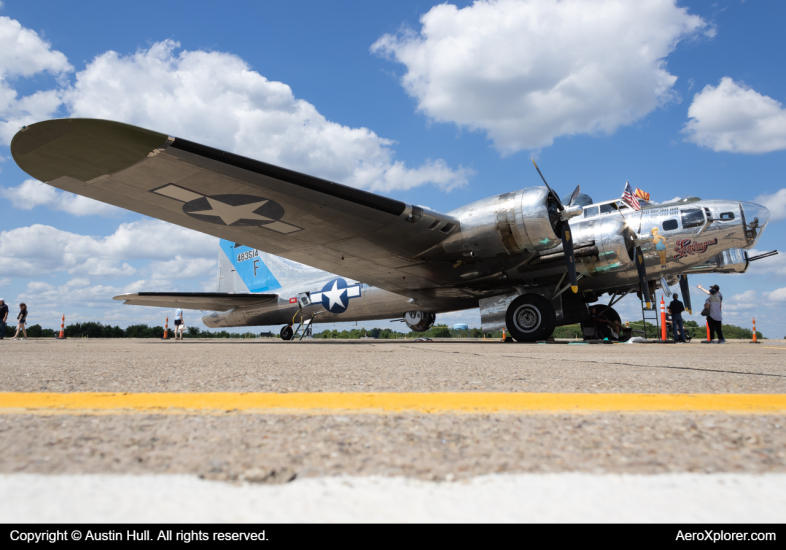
{"x":705,"y":291}
{"x":715,"y":318}
{"x":21,"y":320}
{"x":3,"y":317}
{"x":675,"y":309}
{"x":180,"y":324}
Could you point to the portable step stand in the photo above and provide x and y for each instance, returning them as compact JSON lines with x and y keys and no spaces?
{"x":652,"y":314}
{"x":306,"y":326}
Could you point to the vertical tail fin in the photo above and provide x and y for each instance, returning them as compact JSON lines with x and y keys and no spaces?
{"x":244,"y":269}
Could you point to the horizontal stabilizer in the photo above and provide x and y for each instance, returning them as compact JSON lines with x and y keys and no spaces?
{"x":213,"y":301}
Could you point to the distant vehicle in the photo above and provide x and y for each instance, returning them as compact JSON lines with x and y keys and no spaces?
{"x":514,"y":255}
{"x":423,"y":339}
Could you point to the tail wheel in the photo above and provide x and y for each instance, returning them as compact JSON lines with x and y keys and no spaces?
{"x":287,"y":333}
{"x":530,"y":318}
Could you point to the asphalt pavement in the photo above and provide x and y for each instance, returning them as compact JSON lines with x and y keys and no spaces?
{"x":261,"y":448}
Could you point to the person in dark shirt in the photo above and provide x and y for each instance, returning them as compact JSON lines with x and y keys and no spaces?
{"x":675,"y":309}
{"x":3,"y":317}
{"x":22,"y":318}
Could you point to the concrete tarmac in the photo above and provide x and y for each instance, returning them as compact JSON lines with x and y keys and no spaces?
{"x":278,"y":448}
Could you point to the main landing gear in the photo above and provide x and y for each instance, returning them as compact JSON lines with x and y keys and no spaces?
{"x":287,"y":333}
{"x":530,"y":318}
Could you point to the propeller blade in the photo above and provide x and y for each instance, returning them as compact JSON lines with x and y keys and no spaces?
{"x":640,"y":267}
{"x":685,"y":289}
{"x":570,"y":258}
{"x":574,"y":195}
{"x":559,"y":202}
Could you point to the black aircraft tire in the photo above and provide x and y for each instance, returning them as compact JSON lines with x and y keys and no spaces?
{"x":287,"y":333}
{"x":530,"y":318}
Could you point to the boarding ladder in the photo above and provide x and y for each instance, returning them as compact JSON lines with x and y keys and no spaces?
{"x":652,"y":314}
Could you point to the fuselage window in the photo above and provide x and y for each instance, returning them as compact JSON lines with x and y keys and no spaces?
{"x":692,"y":217}
{"x":670,"y":225}
{"x":727,"y":216}
{"x":591,"y":211}
{"x":608,"y":208}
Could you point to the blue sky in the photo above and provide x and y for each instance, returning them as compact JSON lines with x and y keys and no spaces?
{"x":446,"y":102}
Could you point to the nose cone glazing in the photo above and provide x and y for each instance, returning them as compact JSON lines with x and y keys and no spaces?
{"x":755,"y":218}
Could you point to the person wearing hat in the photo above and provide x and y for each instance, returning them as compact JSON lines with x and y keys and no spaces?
{"x":715,"y":318}
{"x":675,"y":310}
{"x":705,"y":291}
{"x":3,"y":317}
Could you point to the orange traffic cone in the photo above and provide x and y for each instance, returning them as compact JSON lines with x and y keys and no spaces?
{"x":62,"y":329}
{"x":755,"y":340}
{"x":166,"y":329}
{"x":708,"y":340}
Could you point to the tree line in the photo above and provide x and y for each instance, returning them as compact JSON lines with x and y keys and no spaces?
{"x":97,"y":330}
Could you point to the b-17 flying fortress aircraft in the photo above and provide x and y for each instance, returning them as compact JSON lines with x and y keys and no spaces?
{"x":530,"y":260}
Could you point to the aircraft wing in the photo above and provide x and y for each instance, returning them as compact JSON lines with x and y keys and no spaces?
{"x":213,"y":301}
{"x":338,"y":229}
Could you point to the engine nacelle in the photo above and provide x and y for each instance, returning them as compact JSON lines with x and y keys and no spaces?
{"x":505,"y":224}
{"x":419,"y":321}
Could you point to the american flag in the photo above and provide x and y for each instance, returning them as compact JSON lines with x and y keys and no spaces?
{"x":630,"y":198}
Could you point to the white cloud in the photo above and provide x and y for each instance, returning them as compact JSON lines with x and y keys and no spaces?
{"x":39,"y":249}
{"x":215,"y":98}
{"x":184,"y":268}
{"x":527,"y":72}
{"x":733,"y":117}
{"x":775,"y":203}
{"x":24,"y":54}
{"x":210,"y":97}
{"x":5,"y":281}
{"x":32,"y":193}
{"x":744,"y":300}
{"x":73,"y":293}
{"x":778,"y":295}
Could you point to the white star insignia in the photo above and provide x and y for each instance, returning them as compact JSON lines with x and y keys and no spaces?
{"x":230,"y":214}
{"x":335,"y":295}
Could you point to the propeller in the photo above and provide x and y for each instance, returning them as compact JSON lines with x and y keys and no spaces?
{"x":685,"y":293}
{"x":641,"y":268}
{"x":562,"y":227}
{"x":645,"y":288}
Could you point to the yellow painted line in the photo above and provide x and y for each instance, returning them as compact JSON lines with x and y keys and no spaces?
{"x":328,"y":403}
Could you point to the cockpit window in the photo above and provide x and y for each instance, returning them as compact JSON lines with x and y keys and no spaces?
{"x":726,"y":216}
{"x":608,"y":208}
{"x":670,"y":225}
{"x":692,"y":217}
{"x":591,"y":211}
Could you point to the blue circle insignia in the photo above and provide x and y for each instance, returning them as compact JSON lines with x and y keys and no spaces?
{"x":336,"y":295}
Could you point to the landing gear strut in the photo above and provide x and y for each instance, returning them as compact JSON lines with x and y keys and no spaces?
{"x":530,"y":317}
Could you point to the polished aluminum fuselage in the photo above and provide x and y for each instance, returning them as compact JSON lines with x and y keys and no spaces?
{"x":502,"y":242}
{"x":688,"y":243}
